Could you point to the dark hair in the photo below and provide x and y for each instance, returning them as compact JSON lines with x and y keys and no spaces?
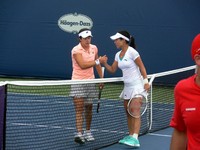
{"x":84,"y":29}
{"x":131,"y":41}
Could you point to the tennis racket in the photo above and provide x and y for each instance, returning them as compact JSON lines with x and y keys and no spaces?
{"x":137,"y":107}
{"x":100,"y":90}
{"x":99,"y":98}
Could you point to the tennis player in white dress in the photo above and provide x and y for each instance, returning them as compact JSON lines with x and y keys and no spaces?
{"x":134,"y":77}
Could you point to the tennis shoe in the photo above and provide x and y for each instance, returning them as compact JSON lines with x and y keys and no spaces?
{"x":124,"y":139}
{"x":131,"y":141}
{"x":88,"y":136}
{"x":79,"y":139}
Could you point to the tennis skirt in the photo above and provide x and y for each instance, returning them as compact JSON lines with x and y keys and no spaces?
{"x":86,"y":91}
{"x":133,"y":92}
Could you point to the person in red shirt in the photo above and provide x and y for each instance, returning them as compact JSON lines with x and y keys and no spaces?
{"x":186,"y":116}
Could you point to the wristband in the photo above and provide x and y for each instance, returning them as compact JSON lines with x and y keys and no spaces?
{"x":97,"y":62}
{"x":145,"y":81}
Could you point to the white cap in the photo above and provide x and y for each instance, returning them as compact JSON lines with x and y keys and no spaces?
{"x":85,"y":34}
{"x":118,"y":35}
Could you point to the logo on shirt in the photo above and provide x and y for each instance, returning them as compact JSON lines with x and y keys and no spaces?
{"x":190,"y":109}
{"x":72,"y":23}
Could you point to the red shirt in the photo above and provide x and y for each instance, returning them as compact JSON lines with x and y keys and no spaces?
{"x":186,"y":115}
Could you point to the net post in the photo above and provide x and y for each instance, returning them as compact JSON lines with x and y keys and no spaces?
{"x":151,"y":101}
{"x":3,"y":97}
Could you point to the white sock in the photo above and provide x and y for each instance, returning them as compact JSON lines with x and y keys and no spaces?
{"x":135,"y":135}
{"x":79,"y":134}
{"x":87,"y":131}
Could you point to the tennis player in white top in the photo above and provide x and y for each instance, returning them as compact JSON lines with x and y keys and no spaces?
{"x":134,"y":77}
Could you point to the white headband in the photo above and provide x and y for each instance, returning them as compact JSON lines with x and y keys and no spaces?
{"x":118,"y":35}
{"x":85,"y":34}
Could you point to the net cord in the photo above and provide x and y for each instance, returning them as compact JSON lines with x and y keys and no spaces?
{"x":99,"y":80}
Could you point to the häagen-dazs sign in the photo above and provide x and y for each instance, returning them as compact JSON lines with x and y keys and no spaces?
{"x":74,"y":22}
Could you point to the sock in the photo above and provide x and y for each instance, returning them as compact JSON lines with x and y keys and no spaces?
{"x":79,"y":134}
{"x":135,"y":135}
{"x":87,"y":131}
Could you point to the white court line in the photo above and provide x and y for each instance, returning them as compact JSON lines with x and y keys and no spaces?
{"x":71,"y":128}
{"x":60,"y":127}
{"x":163,"y":135}
{"x":12,"y":94}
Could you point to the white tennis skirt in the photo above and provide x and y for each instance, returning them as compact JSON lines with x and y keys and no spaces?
{"x":133,"y":92}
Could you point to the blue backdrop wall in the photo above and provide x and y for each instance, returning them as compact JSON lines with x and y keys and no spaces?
{"x":33,"y":45}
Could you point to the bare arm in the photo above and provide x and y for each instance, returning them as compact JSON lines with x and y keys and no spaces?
{"x":140,"y":64}
{"x":178,"y":141}
{"x":98,"y":68}
{"x":111,"y":68}
{"x":84,"y":65}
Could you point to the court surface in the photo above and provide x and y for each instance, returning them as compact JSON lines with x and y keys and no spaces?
{"x":159,"y":140}
{"x":48,"y":122}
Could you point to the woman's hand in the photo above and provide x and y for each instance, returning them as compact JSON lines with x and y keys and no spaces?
{"x":103,"y":59}
{"x":147,"y":86}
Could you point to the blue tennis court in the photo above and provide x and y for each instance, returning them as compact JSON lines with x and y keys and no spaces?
{"x":159,"y":140}
{"x":48,"y":122}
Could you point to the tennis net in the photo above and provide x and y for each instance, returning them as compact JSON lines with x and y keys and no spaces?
{"x":41,"y":115}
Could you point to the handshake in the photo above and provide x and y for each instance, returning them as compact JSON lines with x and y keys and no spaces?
{"x":101,"y":60}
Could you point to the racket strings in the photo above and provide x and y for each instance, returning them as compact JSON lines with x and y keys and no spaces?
{"x":135,"y":107}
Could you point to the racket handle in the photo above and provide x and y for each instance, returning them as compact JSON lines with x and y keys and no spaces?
{"x":98,"y":107}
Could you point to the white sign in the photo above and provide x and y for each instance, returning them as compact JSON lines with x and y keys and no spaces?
{"x":74,"y":22}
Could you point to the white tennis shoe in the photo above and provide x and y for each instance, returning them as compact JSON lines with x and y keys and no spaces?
{"x":79,"y":138}
{"x":88,"y":136}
